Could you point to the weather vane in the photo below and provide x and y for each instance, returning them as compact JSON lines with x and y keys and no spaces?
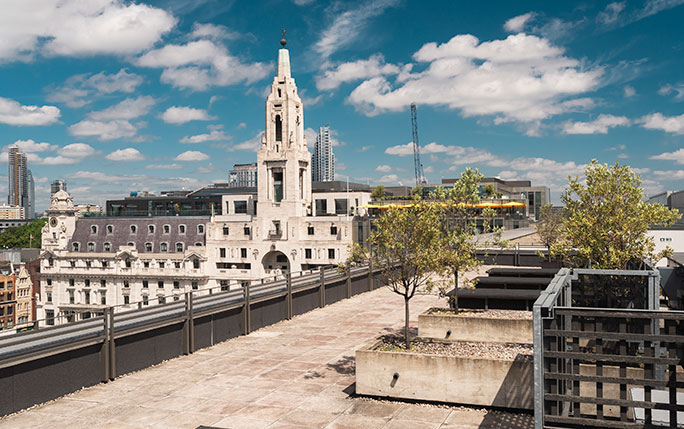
{"x":283,"y":41}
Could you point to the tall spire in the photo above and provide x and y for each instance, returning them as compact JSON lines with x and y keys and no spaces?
{"x":283,"y":59}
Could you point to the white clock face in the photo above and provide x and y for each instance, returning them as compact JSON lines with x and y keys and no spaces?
{"x":53,"y":222}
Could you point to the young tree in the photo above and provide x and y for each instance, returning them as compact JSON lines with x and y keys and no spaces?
{"x":488,"y":190}
{"x":405,"y":246}
{"x":606,"y":219}
{"x":550,"y":227}
{"x":459,"y":220}
{"x":378,"y":192}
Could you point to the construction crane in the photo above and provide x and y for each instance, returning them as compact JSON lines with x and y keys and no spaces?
{"x":420,"y":178}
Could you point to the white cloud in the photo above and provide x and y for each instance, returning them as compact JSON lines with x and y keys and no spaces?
{"x":677,"y":90}
{"x":310,"y":135}
{"x":182,"y":114}
{"x":348,"y":26}
{"x":629,"y":91}
{"x":522,"y":78}
{"x":355,"y":70}
{"x":669,"y":124}
{"x":172,"y":166}
{"x":201,"y":64}
{"x":383,"y":168}
{"x":130,"y":108}
{"x":676,"y":156}
{"x":213,"y":136}
{"x":81,"y":89}
{"x":365,"y":148}
{"x":303,"y":2}
{"x":69,"y":154}
{"x":517,"y":23}
{"x":104,"y":130}
{"x":600,"y":125}
{"x":212,"y":31}
{"x":192,"y":155}
{"x":128,"y":154}
{"x":611,"y":13}
{"x":31,"y":146}
{"x":252,"y":144}
{"x":455,"y":155}
{"x":13,"y":113}
{"x":655,"y":6}
{"x":389,"y":178}
{"x":79,"y":28}
{"x":669,"y":174}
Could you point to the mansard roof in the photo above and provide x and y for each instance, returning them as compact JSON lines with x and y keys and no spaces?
{"x":121,"y":233}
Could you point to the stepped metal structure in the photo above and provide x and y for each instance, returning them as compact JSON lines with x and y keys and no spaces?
{"x":418,"y":166}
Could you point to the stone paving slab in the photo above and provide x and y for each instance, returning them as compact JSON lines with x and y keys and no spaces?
{"x":294,"y":374}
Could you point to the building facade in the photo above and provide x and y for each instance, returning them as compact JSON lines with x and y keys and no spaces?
{"x":18,"y":180}
{"x":86,"y":210}
{"x":11,"y":212}
{"x":8,"y":298}
{"x":24,"y":291}
{"x":243,"y":176}
{"x":671,"y":200}
{"x":323,"y":161}
{"x":56,"y":185}
{"x":88,"y":264}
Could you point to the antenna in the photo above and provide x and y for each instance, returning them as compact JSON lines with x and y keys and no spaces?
{"x":418,"y":167}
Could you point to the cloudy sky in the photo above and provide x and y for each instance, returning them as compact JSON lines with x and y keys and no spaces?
{"x":114,"y":95}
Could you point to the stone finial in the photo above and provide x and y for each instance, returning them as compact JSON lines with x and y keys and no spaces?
{"x":283,"y":42}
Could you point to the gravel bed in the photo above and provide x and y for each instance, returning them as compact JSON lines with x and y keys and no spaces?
{"x":484,"y":314}
{"x":499,"y":351}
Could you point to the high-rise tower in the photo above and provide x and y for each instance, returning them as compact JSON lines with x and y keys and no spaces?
{"x":283,"y":161}
{"x":18,"y":179}
{"x":323,"y":162}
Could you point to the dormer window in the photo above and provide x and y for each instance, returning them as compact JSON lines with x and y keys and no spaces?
{"x":110,"y":229}
{"x":167,"y":229}
{"x":128,"y":263}
{"x":91,"y":247}
{"x":164,"y":247}
{"x":107,"y":247}
{"x":130,"y":243}
{"x":148,"y":247}
{"x":179,"y":247}
{"x":150,"y":229}
{"x":75,"y":246}
{"x":93,"y":229}
{"x":200,"y":229}
{"x":181,"y":229}
{"x":134,"y":229}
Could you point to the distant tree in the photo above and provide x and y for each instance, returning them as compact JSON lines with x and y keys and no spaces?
{"x":488,"y":190}
{"x":378,"y":192}
{"x":417,"y":192}
{"x":20,"y":237}
{"x":606,"y":219}
{"x":550,"y":226}
{"x":405,"y":245}
{"x":458,"y":222}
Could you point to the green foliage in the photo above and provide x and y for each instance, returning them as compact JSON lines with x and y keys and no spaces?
{"x":488,"y":190}
{"x":378,"y":192}
{"x":606,"y":219}
{"x":19,"y":237}
{"x":550,"y":226}
{"x":417,"y":192}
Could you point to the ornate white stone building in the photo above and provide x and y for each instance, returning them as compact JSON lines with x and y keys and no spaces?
{"x":90,"y":263}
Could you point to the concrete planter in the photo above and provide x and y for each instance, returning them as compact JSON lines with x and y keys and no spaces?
{"x":476,"y":329}
{"x":452,"y":379}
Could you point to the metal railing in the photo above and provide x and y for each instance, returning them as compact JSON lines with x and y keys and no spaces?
{"x":605,"y":355}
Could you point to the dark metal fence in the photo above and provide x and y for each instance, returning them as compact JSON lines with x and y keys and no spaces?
{"x":41,"y":365}
{"x":605,"y":355}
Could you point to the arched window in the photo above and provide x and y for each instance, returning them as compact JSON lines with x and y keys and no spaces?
{"x":128,"y":263}
{"x":91,"y":247}
{"x":181,"y":229}
{"x":167,"y":229}
{"x":278,"y":128}
{"x":179,"y":247}
{"x":93,"y":229}
{"x":107,"y":246}
{"x":150,"y":229}
{"x":200,"y":229}
{"x":75,"y":246}
{"x":110,"y":229}
{"x":164,"y":247}
{"x":198,"y":244}
{"x":130,"y":243}
{"x":134,"y":229}
{"x":195,"y":263}
{"x":148,"y":247}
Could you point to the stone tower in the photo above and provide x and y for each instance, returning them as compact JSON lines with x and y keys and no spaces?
{"x":283,"y":161}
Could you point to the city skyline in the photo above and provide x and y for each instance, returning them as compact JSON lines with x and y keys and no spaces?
{"x":535,"y":90}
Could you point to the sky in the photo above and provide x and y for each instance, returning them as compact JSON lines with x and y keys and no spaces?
{"x":115,"y":96}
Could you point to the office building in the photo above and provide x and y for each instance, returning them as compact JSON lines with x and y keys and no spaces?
{"x":243,"y":176}
{"x":671,"y":200}
{"x":11,"y":212}
{"x":31,"y":212}
{"x":56,"y":185}
{"x":18,"y":180}
{"x":323,"y":160}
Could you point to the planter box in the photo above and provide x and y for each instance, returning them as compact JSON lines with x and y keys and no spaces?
{"x":452,"y":379}
{"x":476,"y":329}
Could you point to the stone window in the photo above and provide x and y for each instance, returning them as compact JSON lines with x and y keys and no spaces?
{"x":176,"y":284}
{"x":222,"y":252}
{"x":105,"y":264}
{"x":226,"y":230}
{"x":107,"y":246}
{"x":198,"y":244}
{"x":49,"y":296}
{"x":48,"y":282}
{"x":73,"y":264}
{"x":310,"y":230}
{"x":307,"y":253}
{"x":321,"y":207}
{"x":126,"y":285}
{"x":243,"y":252}
{"x":148,"y":247}
{"x":167,"y":229}
{"x":160,"y":284}
{"x":103,"y":283}
{"x":89,"y":264}
{"x":72,"y":282}
{"x":146,"y":284}
{"x":341,"y":206}
{"x":72,"y":297}
{"x":86,"y":296}
{"x":278,"y":128}
{"x":181,"y":229}
{"x":179,"y":247}
{"x":50,"y":317}
{"x":110,"y":229}
{"x":177,"y":265}
{"x":103,"y":298}
{"x":127,"y":299}
{"x":91,"y":247}
{"x":75,"y":246}
{"x":93,"y":229}
{"x":164,"y":247}
{"x":130,"y":243}
{"x":150,"y":229}
{"x":145,"y":300}
{"x":331,"y":253}
{"x":200,"y":229}
{"x":51,"y":262}
{"x":195,"y":263}
{"x":240,"y":207}
{"x":161,"y":299}
{"x":146,"y":264}
{"x":87,"y":282}
{"x":195,"y":285}
{"x":134,"y":229}
{"x":333,"y":230}
{"x":128,"y":263}
{"x":161,"y":264}
{"x":224,"y":285}
{"x":247,"y":230}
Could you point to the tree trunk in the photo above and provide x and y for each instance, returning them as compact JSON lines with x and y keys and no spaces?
{"x":456,"y":291}
{"x":407,"y":336}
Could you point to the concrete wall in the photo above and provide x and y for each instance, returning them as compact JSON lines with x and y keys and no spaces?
{"x":674,"y":238}
{"x":464,"y":328}
{"x":473,"y":381}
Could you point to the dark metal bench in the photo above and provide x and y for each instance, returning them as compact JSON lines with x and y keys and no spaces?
{"x":522,"y":272}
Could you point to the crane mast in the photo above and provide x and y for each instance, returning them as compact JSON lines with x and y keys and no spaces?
{"x":420,"y":178}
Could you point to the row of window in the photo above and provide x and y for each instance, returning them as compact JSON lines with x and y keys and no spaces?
{"x":166,"y":229}
{"x":308,"y":253}
{"x":311,"y":230}
{"x":222,"y":252}
{"x":149,"y":247}
{"x":246,"y":230}
{"x":10,"y":285}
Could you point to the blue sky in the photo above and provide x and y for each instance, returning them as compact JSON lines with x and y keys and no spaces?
{"x":115,"y":96}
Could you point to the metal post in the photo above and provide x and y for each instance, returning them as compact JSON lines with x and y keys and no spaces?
{"x":188,"y":326}
{"x":322,"y":289}
{"x":370,"y":275}
{"x":289,"y":295}
{"x":112,"y":350}
{"x":538,"y":366}
{"x":349,"y":288}
{"x":245,"y":310}
{"x":104,"y":352}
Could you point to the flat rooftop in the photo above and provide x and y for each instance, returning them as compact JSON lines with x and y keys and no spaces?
{"x":296,"y":373}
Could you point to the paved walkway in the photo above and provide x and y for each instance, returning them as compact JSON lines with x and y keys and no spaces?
{"x":295,"y":374}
